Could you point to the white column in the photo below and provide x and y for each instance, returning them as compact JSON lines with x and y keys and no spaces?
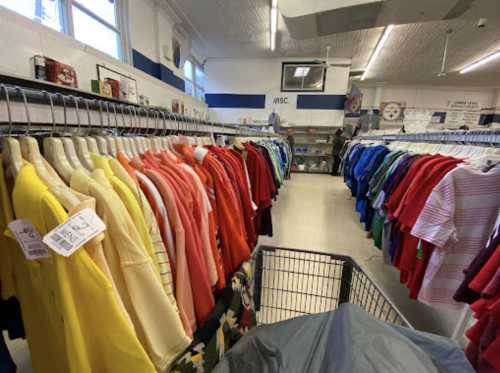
{"x":496,"y":98}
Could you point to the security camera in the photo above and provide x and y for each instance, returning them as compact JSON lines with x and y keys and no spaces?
{"x":482,"y":23}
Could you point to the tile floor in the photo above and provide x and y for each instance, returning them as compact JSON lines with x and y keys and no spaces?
{"x":316,"y":212}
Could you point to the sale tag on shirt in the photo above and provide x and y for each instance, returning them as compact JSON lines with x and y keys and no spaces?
{"x":29,"y":239}
{"x":69,"y":236}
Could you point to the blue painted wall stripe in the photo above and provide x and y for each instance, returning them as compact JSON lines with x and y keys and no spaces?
{"x":157,"y":70}
{"x":228,"y":100}
{"x":320,"y":102}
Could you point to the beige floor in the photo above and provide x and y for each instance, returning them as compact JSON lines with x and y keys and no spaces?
{"x":316,"y":212}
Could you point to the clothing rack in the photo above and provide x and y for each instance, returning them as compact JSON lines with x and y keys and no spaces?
{"x":472,"y":137}
{"x":27,"y":109}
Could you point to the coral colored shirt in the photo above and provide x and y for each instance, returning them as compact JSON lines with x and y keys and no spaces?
{"x":183,"y":287}
{"x":203,"y":298}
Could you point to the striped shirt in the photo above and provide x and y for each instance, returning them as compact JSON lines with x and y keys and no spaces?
{"x":457,"y":219}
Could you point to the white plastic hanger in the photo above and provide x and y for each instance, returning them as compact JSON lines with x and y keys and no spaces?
{"x":110,"y":140}
{"x":91,"y":141}
{"x":12,"y":156}
{"x":82,"y":149}
{"x":138,"y":138}
{"x":132,"y":141}
{"x":69,"y":146}
{"x":120,"y":143}
{"x":154,"y":140}
{"x":118,"y":140}
{"x":53,"y":149}
{"x":102,"y":144}
{"x":31,"y":152}
{"x":125,"y":140}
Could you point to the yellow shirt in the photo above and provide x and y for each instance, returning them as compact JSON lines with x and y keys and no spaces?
{"x":72,"y":319}
{"x":152,"y":227}
{"x":156,"y":322}
{"x":78,"y":202}
{"x":132,"y":206}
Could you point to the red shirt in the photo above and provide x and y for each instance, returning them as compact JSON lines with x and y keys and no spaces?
{"x":235,"y":249}
{"x":486,"y":273}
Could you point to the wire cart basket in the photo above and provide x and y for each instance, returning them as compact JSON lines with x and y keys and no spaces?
{"x":290,"y":283}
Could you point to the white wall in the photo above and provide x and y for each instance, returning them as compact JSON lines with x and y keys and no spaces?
{"x":427,"y":100}
{"x":435,"y":97}
{"x":263,"y":76}
{"x":27,"y":38}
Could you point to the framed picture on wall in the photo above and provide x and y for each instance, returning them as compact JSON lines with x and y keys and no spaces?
{"x":127,"y":84}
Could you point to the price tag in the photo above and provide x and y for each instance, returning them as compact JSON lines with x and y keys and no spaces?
{"x":29,"y":239}
{"x":69,"y":236}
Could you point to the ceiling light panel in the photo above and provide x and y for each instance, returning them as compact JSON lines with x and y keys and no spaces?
{"x":379,"y":47}
{"x":481,"y":62}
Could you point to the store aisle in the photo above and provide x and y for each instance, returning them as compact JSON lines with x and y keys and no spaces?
{"x":316,"y":212}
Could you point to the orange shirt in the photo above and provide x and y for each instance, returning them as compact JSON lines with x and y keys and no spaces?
{"x":235,"y":249}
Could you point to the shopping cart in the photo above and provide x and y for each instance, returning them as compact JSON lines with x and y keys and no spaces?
{"x":290,"y":283}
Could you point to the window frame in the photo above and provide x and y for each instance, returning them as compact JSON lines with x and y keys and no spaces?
{"x":302,"y":64}
{"x":67,"y":6}
{"x":195,"y":87}
{"x":67,"y":24}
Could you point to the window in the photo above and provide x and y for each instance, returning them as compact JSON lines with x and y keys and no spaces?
{"x":194,"y":78}
{"x":309,"y":77}
{"x":46,"y":12}
{"x":93,"y":22}
{"x":200,"y":83}
{"x":188,"y":77}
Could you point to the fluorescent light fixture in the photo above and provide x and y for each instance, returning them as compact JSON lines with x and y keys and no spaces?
{"x":274,"y":20}
{"x":379,"y":47}
{"x":301,"y":72}
{"x":481,"y":62}
{"x":273,"y":15}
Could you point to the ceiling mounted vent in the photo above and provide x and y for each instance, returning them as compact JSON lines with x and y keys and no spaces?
{"x":459,"y":9}
{"x":315,"y":18}
{"x":355,"y":74}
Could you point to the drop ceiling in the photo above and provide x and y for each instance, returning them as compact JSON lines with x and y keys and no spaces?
{"x":412,"y":54}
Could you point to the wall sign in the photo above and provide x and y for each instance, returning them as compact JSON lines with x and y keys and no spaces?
{"x":280,"y":100}
{"x":463,"y":113}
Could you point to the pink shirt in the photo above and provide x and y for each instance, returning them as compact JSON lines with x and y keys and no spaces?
{"x":183,"y":288}
{"x":457,"y":219}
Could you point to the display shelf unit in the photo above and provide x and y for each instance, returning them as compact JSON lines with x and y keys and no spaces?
{"x":310,"y":146}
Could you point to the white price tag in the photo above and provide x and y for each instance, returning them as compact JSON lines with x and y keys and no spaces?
{"x":69,"y":236}
{"x":29,"y":239}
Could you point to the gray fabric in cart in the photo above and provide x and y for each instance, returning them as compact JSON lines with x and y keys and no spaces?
{"x":292,"y":346}
{"x":345,"y":340}
{"x":360,"y":343}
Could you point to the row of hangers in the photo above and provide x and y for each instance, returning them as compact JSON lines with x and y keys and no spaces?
{"x":67,"y":151}
{"x":470,"y":153}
